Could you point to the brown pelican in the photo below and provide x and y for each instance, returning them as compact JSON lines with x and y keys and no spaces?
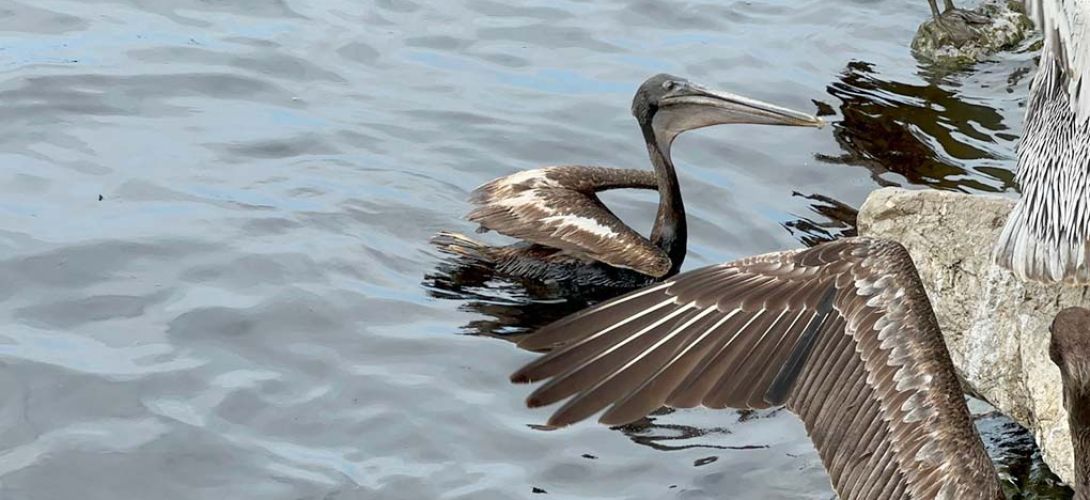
{"x":1047,"y":236}
{"x":569,"y":235}
{"x":842,"y":334}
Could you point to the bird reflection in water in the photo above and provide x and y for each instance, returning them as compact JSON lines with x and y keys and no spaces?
{"x":649,"y":432}
{"x":509,"y":307}
{"x":926,"y":134}
{"x":834,"y":220}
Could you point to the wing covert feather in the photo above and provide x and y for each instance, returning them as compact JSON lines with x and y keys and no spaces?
{"x":557,"y":207}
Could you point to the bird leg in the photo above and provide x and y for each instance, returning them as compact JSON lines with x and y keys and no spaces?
{"x":948,"y":5}
{"x":955,"y":22}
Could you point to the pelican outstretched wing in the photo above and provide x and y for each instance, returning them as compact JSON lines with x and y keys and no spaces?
{"x":557,"y":207}
{"x":842,"y":334}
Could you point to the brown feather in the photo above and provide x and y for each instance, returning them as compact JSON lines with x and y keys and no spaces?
{"x":557,"y":207}
{"x":870,"y":377}
{"x":653,"y":391}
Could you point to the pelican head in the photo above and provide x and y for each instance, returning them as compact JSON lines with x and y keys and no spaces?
{"x":1069,"y":348}
{"x":670,"y":105}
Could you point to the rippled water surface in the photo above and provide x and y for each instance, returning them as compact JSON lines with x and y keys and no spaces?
{"x":215,"y":279}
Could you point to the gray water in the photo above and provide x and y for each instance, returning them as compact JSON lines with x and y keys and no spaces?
{"x":215,"y":280}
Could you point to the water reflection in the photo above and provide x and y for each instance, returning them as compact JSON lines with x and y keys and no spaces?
{"x":923,"y":133}
{"x":834,"y":220}
{"x":1017,"y":459}
{"x":648,"y":431}
{"x":507,"y":307}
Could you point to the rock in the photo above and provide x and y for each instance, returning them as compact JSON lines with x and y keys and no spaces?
{"x":964,"y":37}
{"x":995,"y":326}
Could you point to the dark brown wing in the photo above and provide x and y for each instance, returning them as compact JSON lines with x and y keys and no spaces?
{"x":557,"y":207}
{"x":842,"y":333}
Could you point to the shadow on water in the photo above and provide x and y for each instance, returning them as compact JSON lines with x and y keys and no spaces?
{"x":922,"y":133}
{"x":672,"y":437}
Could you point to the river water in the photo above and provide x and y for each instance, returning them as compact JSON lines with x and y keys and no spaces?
{"x":215,"y":277}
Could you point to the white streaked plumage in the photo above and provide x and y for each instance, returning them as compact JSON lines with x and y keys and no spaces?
{"x":536,"y":178}
{"x":557,"y":207}
{"x":1047,"y":235}
{"x":573,"y":222}
{"x":1066,"y":27}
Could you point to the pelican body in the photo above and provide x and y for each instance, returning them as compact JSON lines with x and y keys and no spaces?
{"x":1047,"y":236}
{"x":569,"y":236}
{"x":841,"y":334}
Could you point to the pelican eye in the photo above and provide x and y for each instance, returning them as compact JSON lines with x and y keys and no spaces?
{"x":670,"y":85}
